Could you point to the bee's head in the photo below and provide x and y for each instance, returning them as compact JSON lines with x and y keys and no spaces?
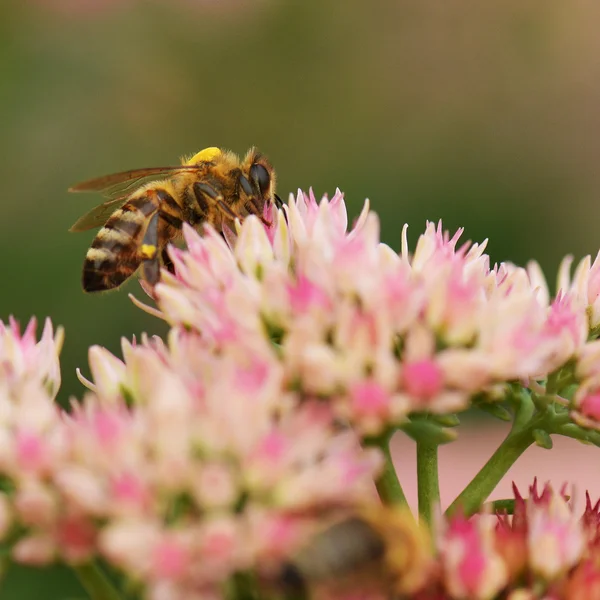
{"x":261,"y":174}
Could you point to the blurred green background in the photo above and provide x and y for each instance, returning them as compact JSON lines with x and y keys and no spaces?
{"x":484,"y":114}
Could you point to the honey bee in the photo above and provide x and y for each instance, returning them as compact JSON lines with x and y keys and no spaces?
{"x":381,"y":549}
{"x":146,"y":209}
{"x":344,"y":548}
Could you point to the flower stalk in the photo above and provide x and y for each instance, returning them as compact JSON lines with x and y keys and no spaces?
{"x":483,"y":484}
{"x":527,"y":422}
{"x":387,"y":483}
{"x":95,"y":582}
{"x":428,"y":487}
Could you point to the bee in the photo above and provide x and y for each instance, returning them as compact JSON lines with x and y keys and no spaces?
{"x":379,"y":549}
{"x":345,"y":547}
{"x":146,"y":209}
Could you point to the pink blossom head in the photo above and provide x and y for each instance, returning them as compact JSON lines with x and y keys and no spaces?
{"x":216,"y":434}
{"x":24,"y":359}
{"x":379,"y":334}
{"x":472,"y":566}
{"x":555,"y":536}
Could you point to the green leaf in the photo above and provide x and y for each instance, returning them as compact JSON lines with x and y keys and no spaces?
{"x":496,"y":410}
{"x":428,"y":431}
{"x":525,"y":409}
{"x":506,"y":506}
{"x":451,"y":420}
{"x":542,"y":438}
{"x":569,"y":391}
{"x":7,"y":485}
{"x":593,"y":437}
{"x":587,"y":436}
{"x":95,"y":582}
{"x":573,"y":431}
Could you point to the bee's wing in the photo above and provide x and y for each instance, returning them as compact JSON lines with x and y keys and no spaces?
{"x":117,"y":187}
{"x":98,"y":215}
{"x":120,"y":185}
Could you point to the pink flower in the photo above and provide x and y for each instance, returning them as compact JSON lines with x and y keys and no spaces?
{"x":586,"y":403}
{"x":31,"y":453}
{"x":590,"y":406}
{"x":131,"y":490}
{"x":584,"y":582}
{"x":370,"y":401}
{"x":36,"y":550}
{"x":162,"y":468}
{"x":426,"y":380}
{"x":588,"y":360}
{"x":584,"y":286}
{"x":227,"y":447}
{"x":23,"y":359}
{"x":171,"y":558}
{"x":107,"y":370}
{"x":216,"y":485}
{"x":472,"y":567}
{"x":76,"y":539}
{"x":555,"y":537}
{"x":348,"y":315}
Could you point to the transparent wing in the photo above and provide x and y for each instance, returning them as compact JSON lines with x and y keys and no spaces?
{"x":117,"y":187}
{"x":98,"y":215}
{"x":121,"y":185}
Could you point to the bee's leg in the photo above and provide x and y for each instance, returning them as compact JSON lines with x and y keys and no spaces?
{"x":205,"y":192}
{"x":168,"y":226}
{"x":279,"y":205}
{"x":205,"y":196}
{"x":226,"y":210}
{"x":167,"y":262}
{"x":250,"y":205}
{"x":149,"y":251}
{"x":171,"y":221}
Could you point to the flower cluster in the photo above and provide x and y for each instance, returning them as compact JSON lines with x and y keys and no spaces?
{"x":181,"y":468}
{"x":243,"y":454}
{"x":26,"y":362}
{"x":542,"y":550}
{"x":380,"y":335}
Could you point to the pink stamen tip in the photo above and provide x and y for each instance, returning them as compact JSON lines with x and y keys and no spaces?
{"x":30,"y":451}
{"x":129,"y":488}
{"x":273,"y":446}
{"x":423,"y":379}
{"x":590,"y":406}
{"x":369,"y":398}
{"x":106,"y":427}
{"x":170,"y":559}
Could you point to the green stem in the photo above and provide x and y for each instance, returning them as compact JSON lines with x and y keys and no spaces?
{"x":243,"y":586}
{"x":95,"y":582}
{"x":428,"y":485}
{"x":529,"y":417}
{"x":387,"y":484}
{"x":483,"y":484}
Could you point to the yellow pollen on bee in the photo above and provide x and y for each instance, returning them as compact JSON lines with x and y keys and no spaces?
{"x":148,"y":251}
{"x":205,"y":155}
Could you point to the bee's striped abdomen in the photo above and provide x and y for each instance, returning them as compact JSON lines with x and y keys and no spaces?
{"x":114,"y":255}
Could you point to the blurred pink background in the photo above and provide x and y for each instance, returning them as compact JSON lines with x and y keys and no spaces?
{"x":569,"y":461}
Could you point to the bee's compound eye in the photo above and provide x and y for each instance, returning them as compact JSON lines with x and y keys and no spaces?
{"x":259,"y":174}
